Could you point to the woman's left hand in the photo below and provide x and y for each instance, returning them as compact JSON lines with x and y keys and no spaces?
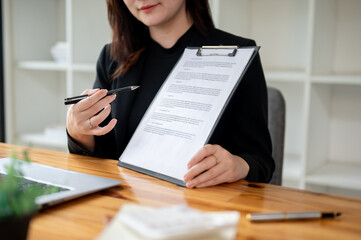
{"x":213,"y":165}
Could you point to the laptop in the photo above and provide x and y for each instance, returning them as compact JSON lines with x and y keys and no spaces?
{"x":67,"y":184}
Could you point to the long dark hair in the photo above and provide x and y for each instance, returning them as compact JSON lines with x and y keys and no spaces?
{"x":129,"y":34}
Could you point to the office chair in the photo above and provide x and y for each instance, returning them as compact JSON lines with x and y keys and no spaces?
{"x":276,"y":125}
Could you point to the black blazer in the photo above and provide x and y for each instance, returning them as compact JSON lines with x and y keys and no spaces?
{"x":242,"y":129}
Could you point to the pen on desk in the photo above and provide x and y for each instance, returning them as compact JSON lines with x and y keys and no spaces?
{"x":73,"y":100}
{"x":285,"y":216}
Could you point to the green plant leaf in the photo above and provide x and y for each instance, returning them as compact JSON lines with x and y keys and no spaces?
{"x":15,"y":201}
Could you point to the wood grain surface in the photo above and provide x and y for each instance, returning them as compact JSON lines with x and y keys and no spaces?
{"x":85,"y":218}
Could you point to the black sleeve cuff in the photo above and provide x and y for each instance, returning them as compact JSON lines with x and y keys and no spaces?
{"x":258,"y":170}
{"x":75,"y":147}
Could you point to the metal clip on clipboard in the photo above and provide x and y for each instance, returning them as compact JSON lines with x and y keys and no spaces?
{"x":229,"y":51}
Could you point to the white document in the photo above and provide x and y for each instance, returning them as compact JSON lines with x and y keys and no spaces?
{"x":140,"y":222}
{"x":184,"y":112}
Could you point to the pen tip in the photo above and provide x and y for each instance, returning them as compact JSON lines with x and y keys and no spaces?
{"x":134,"y":87}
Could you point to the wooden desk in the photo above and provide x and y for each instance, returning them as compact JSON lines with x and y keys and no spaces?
{"x":84,"y":218}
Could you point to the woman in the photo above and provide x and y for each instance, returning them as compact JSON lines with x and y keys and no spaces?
{"x":148,"y":39}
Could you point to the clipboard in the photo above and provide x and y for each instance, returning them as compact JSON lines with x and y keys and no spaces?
{"x":140,"y":153}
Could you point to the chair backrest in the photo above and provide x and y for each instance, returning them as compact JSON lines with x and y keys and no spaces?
{"x":276,"y":125}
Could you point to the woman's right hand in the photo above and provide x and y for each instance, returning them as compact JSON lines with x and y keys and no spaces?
{"x":84,"y":117}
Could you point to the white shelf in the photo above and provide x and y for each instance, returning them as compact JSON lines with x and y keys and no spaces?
{"x":313,"y":57}
{"x":339,"y":175}
{"x":54,"y":136}
{"x":54,"y":66}
{"x":42,"y":65}
{"x":44,"y":140}
{"x":84,"y":67}
{"x":34,"y":28}
{"x":285,"y":76}
{"x":337,"y":79}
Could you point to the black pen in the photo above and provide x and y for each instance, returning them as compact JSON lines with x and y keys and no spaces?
{"x":285,"y":216}
{"x":73,"y":100}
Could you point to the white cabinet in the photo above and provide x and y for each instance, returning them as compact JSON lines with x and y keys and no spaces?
{"x":311,"y":51}
{"x":35,"y":108}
